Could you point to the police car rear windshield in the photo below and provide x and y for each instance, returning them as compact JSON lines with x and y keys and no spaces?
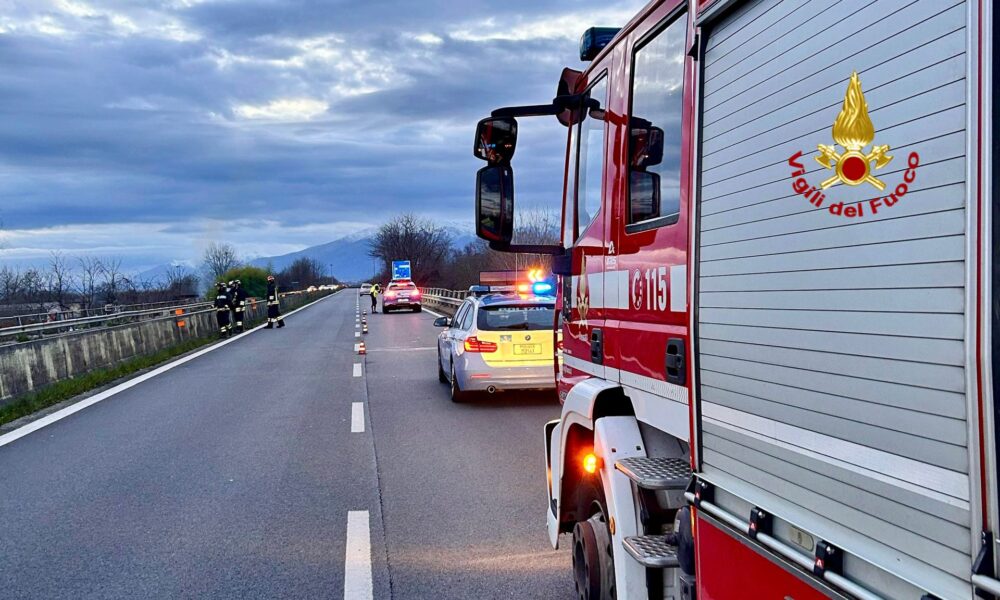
{"x":408,"y":285}
{"x":528,"y":317}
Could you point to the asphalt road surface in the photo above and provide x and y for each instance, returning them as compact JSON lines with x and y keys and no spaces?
{"x":274,"y":466}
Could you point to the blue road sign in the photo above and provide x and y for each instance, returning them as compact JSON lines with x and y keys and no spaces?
{"x":401,"y":269}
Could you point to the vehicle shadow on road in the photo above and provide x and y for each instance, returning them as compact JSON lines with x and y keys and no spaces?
{"x":511,"y":400}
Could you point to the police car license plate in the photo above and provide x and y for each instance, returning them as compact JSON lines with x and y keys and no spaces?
{"x":520,"y":349}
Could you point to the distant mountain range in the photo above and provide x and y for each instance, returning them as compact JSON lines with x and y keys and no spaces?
{"x":347,"y":257}
{"x":159,"y":273}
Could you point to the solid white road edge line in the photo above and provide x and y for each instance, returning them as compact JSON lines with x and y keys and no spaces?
{"x":358,"y":557}
{"x":37,"y":424}
{"x":357,"y":369}
{"x":436,"y":314}
{"x":357,"y":417}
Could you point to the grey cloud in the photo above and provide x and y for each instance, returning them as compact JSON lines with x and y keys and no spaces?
{"x":98,"y":127}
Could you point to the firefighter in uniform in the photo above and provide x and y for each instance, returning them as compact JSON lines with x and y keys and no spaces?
{"x":375,"y":290}
{"x":273,"y":310}
{"x":222,"y":309}
{"x":239,"y":304}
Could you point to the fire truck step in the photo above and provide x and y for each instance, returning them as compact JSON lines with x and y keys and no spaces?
{"x":656,"y":473}
{"x":652,"y":551}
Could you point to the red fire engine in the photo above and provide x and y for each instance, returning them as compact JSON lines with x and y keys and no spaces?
{"x":778,"y":318}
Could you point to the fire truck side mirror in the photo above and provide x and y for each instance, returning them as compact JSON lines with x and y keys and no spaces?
{"x":644,"y":195}
{"x":646,"y":147}
{"x":495,"y":204}
{"x":562,"y":264}
{"x":496,"y":140}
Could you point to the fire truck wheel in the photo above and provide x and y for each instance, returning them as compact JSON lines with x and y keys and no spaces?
{"x":442,"y":377}
{"x":593,"y":565}
{"x":457,"y":395}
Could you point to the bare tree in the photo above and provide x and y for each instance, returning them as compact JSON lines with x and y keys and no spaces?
{"x":532,"y":226}
{"x":59,"y":277}
{"x":112,"y":276}
{"x":10,"y":284}
{"x":86,"y":279}
{"x":33,"y":287}
{"x":407,"y":237}
{"x":302,"y":273}
{"x":219,"y":258}
{"x":174,"y":275}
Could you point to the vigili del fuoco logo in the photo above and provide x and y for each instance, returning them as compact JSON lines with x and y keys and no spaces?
{"x":853,"y":131}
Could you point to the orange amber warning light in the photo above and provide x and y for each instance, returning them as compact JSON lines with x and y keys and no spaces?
{"x":591,"y":463}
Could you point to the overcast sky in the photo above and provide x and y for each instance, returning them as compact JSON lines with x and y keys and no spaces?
{"x":147,"y":128}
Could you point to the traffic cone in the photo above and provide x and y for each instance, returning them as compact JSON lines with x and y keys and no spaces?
{"x":362,"y":349}
{"x":364,"y":328}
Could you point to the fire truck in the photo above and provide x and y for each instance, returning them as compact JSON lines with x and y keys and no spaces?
{"x":776,"y":301}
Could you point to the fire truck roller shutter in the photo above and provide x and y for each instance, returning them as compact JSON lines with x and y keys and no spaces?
{"x":831,"y":346}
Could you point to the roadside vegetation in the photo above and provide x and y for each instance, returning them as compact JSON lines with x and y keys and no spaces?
{"x":221,"y":263}
{"x":436,"y":263}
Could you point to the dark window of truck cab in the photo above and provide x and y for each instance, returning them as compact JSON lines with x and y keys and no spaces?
{"x":585,"y":179}
{"x":655,"y":128}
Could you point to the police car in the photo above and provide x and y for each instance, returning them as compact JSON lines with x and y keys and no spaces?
{"x":499,"y":341}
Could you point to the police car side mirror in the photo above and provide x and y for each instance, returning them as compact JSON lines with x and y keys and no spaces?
{"x":442,"y":322}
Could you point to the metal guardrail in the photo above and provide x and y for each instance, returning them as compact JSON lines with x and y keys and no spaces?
{"x":7,"y":322}
{"x":69,"y":325}
{"x":452,"y":298}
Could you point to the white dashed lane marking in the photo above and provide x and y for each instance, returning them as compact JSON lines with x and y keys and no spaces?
{"x":358,"y":557}
{"x":357,"y":417}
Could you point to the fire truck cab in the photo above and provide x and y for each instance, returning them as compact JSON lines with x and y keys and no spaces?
{"x":775,"y":282}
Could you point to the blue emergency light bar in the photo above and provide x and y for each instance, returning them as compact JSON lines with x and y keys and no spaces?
{"x":594,"y":40}
{"x":541,"y":288}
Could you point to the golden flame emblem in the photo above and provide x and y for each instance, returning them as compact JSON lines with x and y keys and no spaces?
{"x":853,"y":130}
{"x":582,"y":293}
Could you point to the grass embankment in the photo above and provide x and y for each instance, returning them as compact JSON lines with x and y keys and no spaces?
{"x":68,"y":388}
{"x":74,"y":386}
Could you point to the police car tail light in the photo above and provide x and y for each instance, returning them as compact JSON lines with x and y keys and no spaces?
{"x":473,"y":344}
{"x":390,"y":294}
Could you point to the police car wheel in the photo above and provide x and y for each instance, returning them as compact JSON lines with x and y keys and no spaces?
{"x":457,"y":395}
{"x":418,"y":309}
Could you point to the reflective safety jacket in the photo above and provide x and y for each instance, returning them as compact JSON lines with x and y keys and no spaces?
{"x":239,"y":297}
{"x":222,"y":301}
{"x":272,"y":293}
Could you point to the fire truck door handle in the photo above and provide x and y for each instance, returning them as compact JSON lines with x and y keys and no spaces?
{"x":597,"y":347}
{"x":676,"y":373}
